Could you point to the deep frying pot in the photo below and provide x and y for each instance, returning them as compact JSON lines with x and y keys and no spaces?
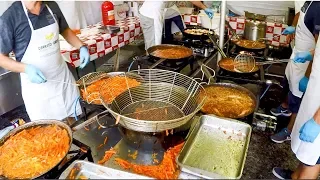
{"x":245,"y":90}
{"x":152,"y":49}
{"x":35,"y":124}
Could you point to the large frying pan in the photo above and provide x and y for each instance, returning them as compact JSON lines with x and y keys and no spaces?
{"x":36,"y":124}
{"x":226,"y":63}
{"x":237,"y":87}
{"x":239,"y":44}
{"x":152,"y":51}
{"x":195,"y":36}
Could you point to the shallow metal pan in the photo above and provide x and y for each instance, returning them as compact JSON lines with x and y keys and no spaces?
{"x":36,"y":124}
{"x":227,"y":130}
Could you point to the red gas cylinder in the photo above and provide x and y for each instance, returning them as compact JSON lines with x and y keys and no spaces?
{"x":107,"y":10}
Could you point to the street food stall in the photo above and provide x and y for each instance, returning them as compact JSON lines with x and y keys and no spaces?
{"x":181,"y":111}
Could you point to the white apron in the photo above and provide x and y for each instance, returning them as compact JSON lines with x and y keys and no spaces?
{"x":308,"y":153}
{"x":48,"y":100}
{"x":304,"y":41}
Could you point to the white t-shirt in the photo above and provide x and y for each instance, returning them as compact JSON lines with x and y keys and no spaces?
{"x":298,"y":5}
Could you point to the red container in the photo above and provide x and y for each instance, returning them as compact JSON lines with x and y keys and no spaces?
{"x":107,"y":10}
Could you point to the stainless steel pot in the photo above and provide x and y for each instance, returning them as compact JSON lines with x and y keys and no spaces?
{"x":255,"y":30}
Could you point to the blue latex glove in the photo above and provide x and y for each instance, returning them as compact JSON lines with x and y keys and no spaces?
{"x":84,"y":57}
{"x":302,"y":57}
{"x":209,"y":12}
{"x":309,"y":131}
{"x":303,"y":83}
{"x":289,"y":30}
{"x":34,"y":74}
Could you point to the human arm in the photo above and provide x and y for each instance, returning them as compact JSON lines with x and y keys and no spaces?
{"x":290,"y":37}
{"x":72,"y":39}
{"x":70,"y":36}
{"x":200,"y":5}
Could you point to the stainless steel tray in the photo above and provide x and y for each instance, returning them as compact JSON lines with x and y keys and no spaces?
{"x":216,"y":148}
{"x":88,"y":170}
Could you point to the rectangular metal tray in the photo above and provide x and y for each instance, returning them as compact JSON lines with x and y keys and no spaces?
{"x":90,"y":170}
{"x":200,"y":145}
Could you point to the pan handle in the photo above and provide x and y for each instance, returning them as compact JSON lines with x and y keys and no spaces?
{"x":218,"y":47}
{"x":157,"y":63}
{"x":205,"y":72}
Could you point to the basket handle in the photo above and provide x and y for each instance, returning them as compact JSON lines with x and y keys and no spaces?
{"x":205,"y":72}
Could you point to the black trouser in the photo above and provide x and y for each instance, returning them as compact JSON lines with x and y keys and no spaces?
{"x":168,"y":36}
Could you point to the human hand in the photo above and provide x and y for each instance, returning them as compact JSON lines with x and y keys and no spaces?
{"x":309,"y":131}
{"x":209,"y":12}
{"x":34,"y":74}
{"x":302,"y":57}
{"x":290,"y":37}
{"x":84,"y":57}
{"x":303,"y":83}
{"x":289,"y":30}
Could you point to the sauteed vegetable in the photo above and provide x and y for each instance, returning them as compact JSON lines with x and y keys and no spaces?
{"x":33,"y":151}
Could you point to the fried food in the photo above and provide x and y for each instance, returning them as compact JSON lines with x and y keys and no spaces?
{"x":172,"y":53}
{"x":33,"y":151}
{"x":249,"y":44}
{"x":198,"y":31}
{"x":227,"y":102}
{"x":167,"y":169}
{"x":113,"y":86}
{"x":228,"y":64}
{"x":107,"y":155}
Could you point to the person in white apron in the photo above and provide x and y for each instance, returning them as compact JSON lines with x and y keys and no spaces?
{"x":152,"y":20}
{"x":305,"y":142}
{"x":173,"y":22}
{"x":41,"y":63}
{"x":304,"y":41}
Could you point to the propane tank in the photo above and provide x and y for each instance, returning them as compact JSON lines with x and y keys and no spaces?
{"x":107,"y":10}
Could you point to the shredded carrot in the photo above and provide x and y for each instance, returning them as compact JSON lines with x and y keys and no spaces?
{"x":83,"y":149}
{"x":86,"y":128}
{"x":33,"y":151}
{"x":105,"y":140}
{"x":114,"y":86}
{"x":100,"y":146}
{"x":167,"y":169}
{"x":107,"y":155}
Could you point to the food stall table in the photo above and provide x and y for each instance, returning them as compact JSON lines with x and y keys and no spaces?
{"x":100,"y":44}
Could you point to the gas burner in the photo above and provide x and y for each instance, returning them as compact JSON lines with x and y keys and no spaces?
{"x":82,"y":153}
{"x":201,"y":48}
{"x":144,"y":62}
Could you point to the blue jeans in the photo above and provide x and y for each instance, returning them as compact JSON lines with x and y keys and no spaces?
{"x":168,"y":36}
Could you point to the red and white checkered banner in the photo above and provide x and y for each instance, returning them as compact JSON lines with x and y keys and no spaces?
{"x":273,"y":31}
{"x":100,"y":44}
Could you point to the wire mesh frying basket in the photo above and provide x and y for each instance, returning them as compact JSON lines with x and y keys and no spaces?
{"x":163,"y":100}
{"x":244,"y":63}
{"x":85,"y":81}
